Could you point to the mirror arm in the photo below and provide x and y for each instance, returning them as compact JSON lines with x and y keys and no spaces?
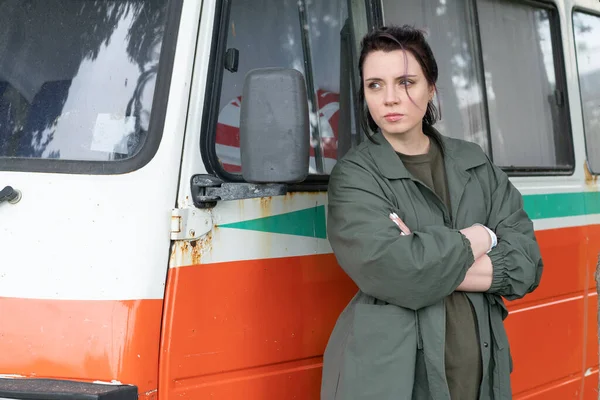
{"x":207,"y":190}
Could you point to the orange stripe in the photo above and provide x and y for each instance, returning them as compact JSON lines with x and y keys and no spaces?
{"x":229,"y":326}
{"x":565,"y":257}
{"x":82,"y":340}
{"x":242,"y":329}
{"x":257,"y":329}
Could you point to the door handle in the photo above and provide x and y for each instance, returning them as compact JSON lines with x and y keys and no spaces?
{"x":10,"y":195}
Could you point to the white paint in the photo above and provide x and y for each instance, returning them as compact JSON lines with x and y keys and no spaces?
{"x":565,"y":222}
{"x":111,"y":383}
{"x":100,"y":237}
{"x":107,"y":237}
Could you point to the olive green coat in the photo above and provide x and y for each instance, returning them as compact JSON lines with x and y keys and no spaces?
{"x":389,"y":341}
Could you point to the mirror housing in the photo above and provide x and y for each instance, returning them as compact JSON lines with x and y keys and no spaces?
{"x":274,"y":127}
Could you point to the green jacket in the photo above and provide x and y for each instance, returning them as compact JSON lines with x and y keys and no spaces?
{"x":389,"y":341}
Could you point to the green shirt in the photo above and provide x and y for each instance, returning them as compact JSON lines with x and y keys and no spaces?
{"x":462,"y":353}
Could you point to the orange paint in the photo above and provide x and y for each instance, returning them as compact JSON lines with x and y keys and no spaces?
{"x":564,"y":253}
{"x":257,"y":329}
{"x":82,"y":340}
{"x":231,"y":327}
{"x":568,"y":389}
{"x":546,"y":344}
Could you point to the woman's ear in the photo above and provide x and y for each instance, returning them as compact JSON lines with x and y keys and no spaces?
{"x":431,"y":92}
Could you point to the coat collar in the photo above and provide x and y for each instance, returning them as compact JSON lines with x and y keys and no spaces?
{"x":457,"y":154}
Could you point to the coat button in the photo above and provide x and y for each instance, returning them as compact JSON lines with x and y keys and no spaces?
{"x":485,"y":344}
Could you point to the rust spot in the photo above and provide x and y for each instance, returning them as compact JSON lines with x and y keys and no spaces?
{"x":200,"y":247}
{"x":265,"y":205}
{"x":590,"y":179}
{"x":291,"y":195}
{"x":191,"y":253}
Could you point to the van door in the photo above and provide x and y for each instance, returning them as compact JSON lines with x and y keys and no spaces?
{"x":91,"y":131}
{"x":253,"y":289}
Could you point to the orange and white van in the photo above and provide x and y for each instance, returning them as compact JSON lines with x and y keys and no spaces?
{"x":163,"y":185}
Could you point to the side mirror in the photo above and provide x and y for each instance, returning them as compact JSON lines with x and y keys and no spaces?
{"x":274,"y":127}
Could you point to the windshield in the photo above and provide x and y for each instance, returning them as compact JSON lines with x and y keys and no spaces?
{"x":77,"y":77}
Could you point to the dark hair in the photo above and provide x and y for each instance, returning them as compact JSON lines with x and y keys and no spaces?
{"x":409,"y":39}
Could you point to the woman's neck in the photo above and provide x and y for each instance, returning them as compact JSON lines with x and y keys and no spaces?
{"x":410,"y":143}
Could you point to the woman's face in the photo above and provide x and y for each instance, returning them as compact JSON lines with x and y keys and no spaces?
{"x":387,"y":77}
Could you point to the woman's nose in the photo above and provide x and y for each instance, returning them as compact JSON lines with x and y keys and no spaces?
{"x":391,"y":96}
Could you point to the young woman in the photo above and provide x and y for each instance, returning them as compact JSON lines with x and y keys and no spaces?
{"x":432,"y":233}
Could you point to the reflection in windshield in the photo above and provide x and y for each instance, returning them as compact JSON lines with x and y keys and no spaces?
{"x":587,"y":41}
{"x":302,"y":35}
{"x":527,"y":116}
{"x":77,"y":77}
{"x":460,"y":83}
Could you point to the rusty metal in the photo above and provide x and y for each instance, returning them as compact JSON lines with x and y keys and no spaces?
{"x":190,"y":223}
{"x":590,"y":179}
{"x":207,"y":190}
{"x":265,"y":206}
{"x":186,"y":253}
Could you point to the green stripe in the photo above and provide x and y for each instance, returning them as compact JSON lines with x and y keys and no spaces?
{"x":309,"y":223}
{"x":541,"y":206}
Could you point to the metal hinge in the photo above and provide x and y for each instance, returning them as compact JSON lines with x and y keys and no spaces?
{"x":207,"y":190}
{"x":190,"y":223}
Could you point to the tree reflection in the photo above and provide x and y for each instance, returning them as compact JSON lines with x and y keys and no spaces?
{"x":44,"y":36}
{"x":144,"y":41}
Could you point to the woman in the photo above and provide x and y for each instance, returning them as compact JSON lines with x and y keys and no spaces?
{"x":432,"y":233}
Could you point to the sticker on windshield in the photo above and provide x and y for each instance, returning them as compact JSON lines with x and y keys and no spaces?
{"x":111,"y":132}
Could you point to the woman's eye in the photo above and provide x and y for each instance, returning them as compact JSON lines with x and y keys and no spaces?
{"x":404,"y":82}
{"x":374,"y":85}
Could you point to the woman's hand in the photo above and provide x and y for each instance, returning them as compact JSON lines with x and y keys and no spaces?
{"x":479,"y":276}
{"x":477,"y":235}
{"x":479,"y":238}
{"x":403,"y":228}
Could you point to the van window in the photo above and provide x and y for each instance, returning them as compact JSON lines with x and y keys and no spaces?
{"x":460,"y":80}
{"x":501,"y":81}
{"x":527,"y":104}
{"x":77,"y":77}
{"x":586,"y":29}
{"x":313,"y":37}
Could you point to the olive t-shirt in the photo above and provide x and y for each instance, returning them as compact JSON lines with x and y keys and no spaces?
{"x":462,"y":354}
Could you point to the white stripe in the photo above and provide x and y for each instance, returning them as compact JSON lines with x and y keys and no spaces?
{"x":229,"y":154}
{"x":566,"y":222}
{"x":230,"y":115}
{"x":227,"y":244}
{"x":329,"y":109}
{"x":552,"y":303}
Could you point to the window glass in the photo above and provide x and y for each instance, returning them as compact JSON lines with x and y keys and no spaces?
{"x":77,"y":77}
{"x":498,"y":84}
{"x":527,"y":109}
{"x":311,"y":36}
{"x":587,"y":43}
{"x":460,"y":81}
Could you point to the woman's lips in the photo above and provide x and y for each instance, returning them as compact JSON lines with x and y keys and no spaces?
{"x":393,"y":117}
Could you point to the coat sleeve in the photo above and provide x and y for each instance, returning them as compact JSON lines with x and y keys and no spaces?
{"x":516,"y":260}
{"x":410,"y":271}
